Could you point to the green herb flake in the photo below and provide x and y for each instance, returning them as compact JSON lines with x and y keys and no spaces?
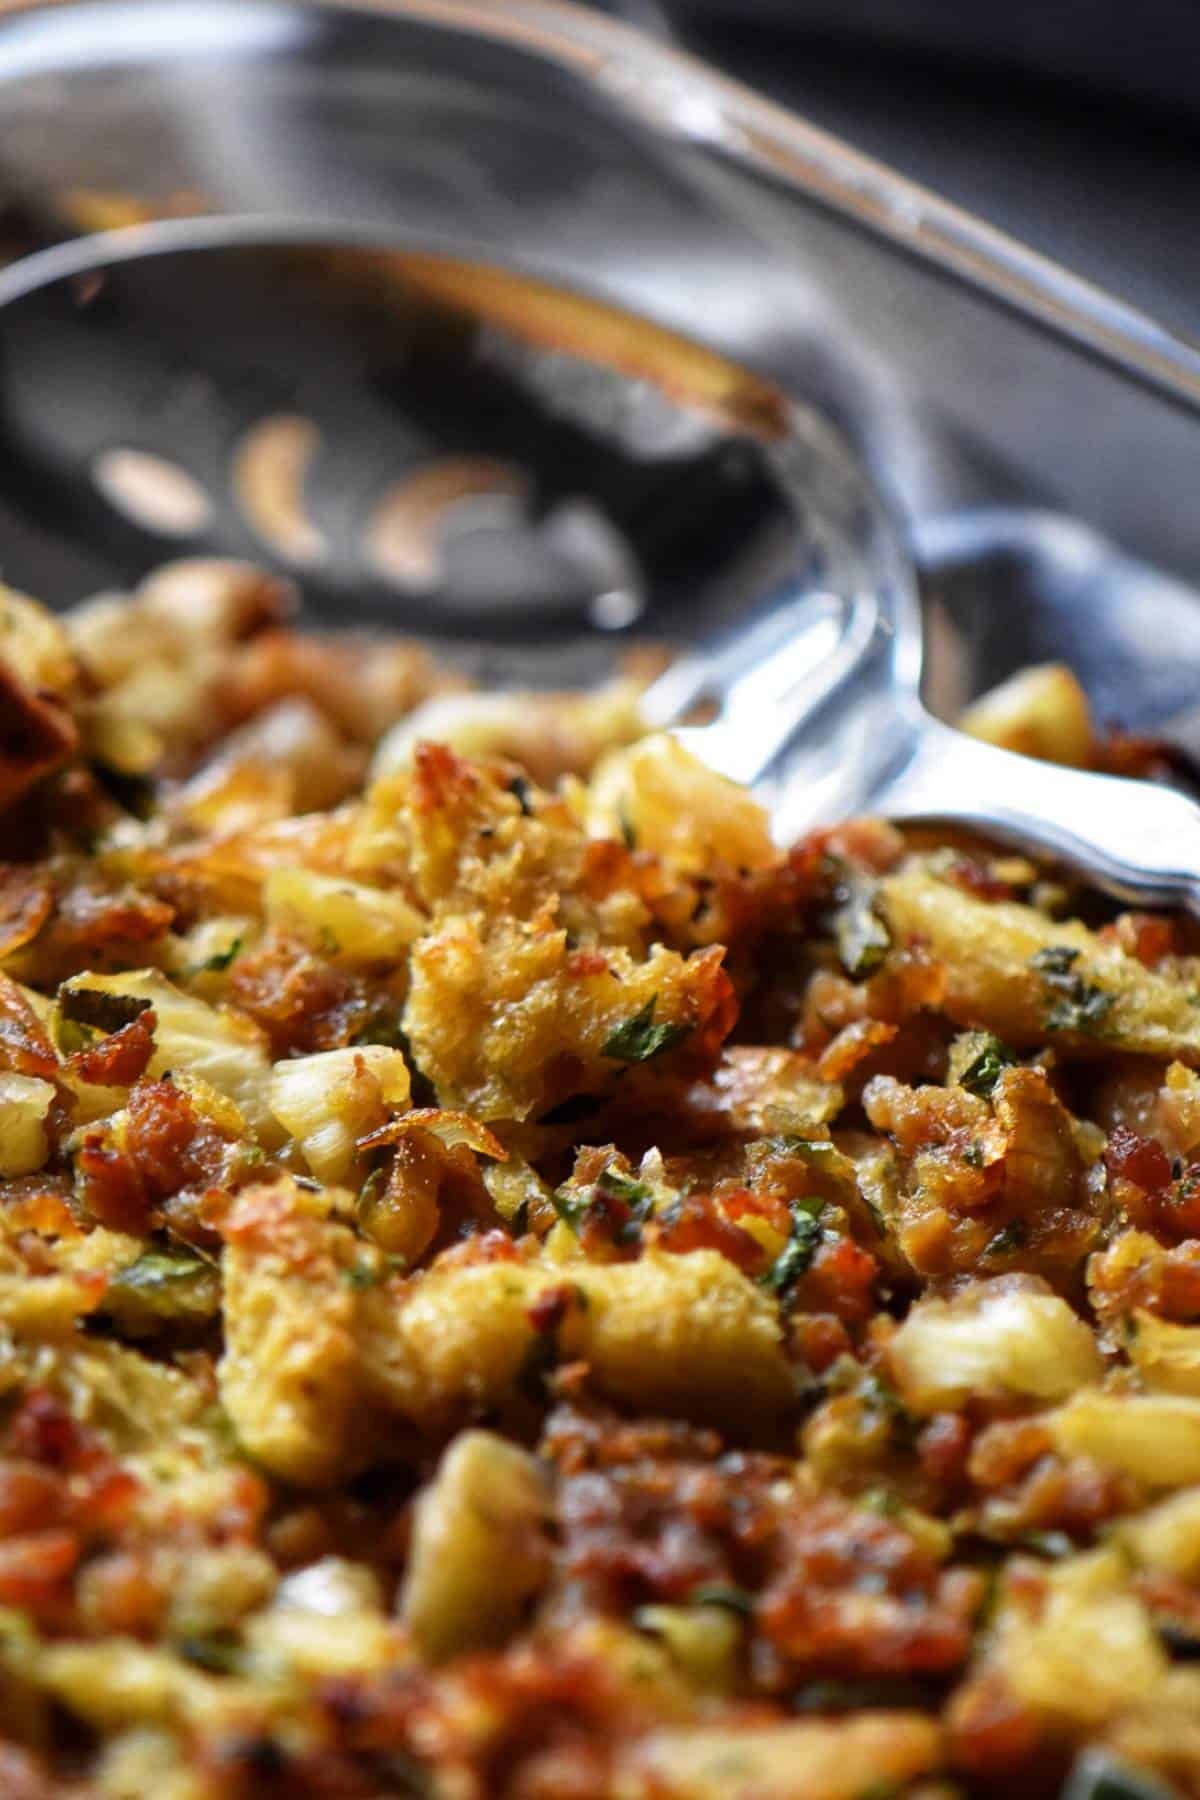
{"x":371,"y":1192}
{"x":639,"y":1039}
{"x":537,"y":1366}
{"x":218,"y":961}
{"x":795,"y":1259}
{"x":720,"y":1593}
{"x":1009,"y":1238}
{"x":875,"y":1214}
{"x":880,"y":1397}
{"x":820,"y":1152}
{"x":881,"y":1500}
{"x":1075,"y":1005}
{"x":572,"y":1207}
{"x":217,"y":1651}
{"x":163,"y":1287}
{"x":862,"y":938}
{"x":521,"y":791}
{"x":984,"y":1071}
{"x":833,"y":1166}
{"x":1054,"y":1545}
{"x":573,"y":1204}
{"x":1056,"y":959}
{"x":1082,"y":1010}
{"x":363,"y":1275}
{"x":628,"y":1188}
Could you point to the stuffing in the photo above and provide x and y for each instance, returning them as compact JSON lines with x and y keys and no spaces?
{"x":513,"y":1284}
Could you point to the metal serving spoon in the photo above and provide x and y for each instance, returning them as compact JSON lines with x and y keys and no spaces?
{"x":434,"y":444}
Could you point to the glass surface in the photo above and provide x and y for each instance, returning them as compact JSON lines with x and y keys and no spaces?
{"x":968,"y":373}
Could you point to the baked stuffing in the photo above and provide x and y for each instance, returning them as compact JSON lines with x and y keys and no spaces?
{"x":510,"y":1285}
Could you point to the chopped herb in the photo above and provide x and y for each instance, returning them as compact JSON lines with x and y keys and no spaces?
{"x":875,"y":1213}
{"x":327,"y":942}
{"x":537,"y":1365}
{"x":796,"y":1256}
{"x":1075,"y":1004}
{"x":1009,"y":1238}
{"x":1051,"y":1544}
{"x":973,"y":1156}
{"x":520,"y":790}
{"x":1056,"y":959}
{"x":572,"y":1207}
{"x":632,"y":1196}
{"x":984,"y":1071}
{"x":217,"y":1651}
{"x":881,"y":1500}
{"x":369,"y":1275}
{"x":371,"y":1192}
{"x":638,"y":1039}
{"x":823,"y":1157}
{"x":163,"y":1287}
{"x":628,"y":1188}
{"x":1082,"y":1009}
{"x":720,"y":1593}
{"x":862,"y":938}
{"x":69,"y":1037}
{"x":103,"y":1011}
{"x":819,"y":1151}
{"x":218,"y":961}
{"x":880,"y":1397}
{"x":628,"y":834}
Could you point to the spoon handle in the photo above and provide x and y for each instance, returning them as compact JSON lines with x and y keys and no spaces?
{"x":1135,"y":840}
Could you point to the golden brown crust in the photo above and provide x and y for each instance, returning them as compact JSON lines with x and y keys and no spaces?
{"x":514,"y":1287}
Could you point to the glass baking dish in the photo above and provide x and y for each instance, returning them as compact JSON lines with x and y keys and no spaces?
{"x":986,"y":388}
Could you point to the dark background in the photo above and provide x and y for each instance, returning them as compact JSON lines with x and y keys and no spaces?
{"x":1074,"y":127}
{"x":1074,"y":124}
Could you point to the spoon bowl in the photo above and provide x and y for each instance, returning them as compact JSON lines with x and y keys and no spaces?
{"x":429,"y":443}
